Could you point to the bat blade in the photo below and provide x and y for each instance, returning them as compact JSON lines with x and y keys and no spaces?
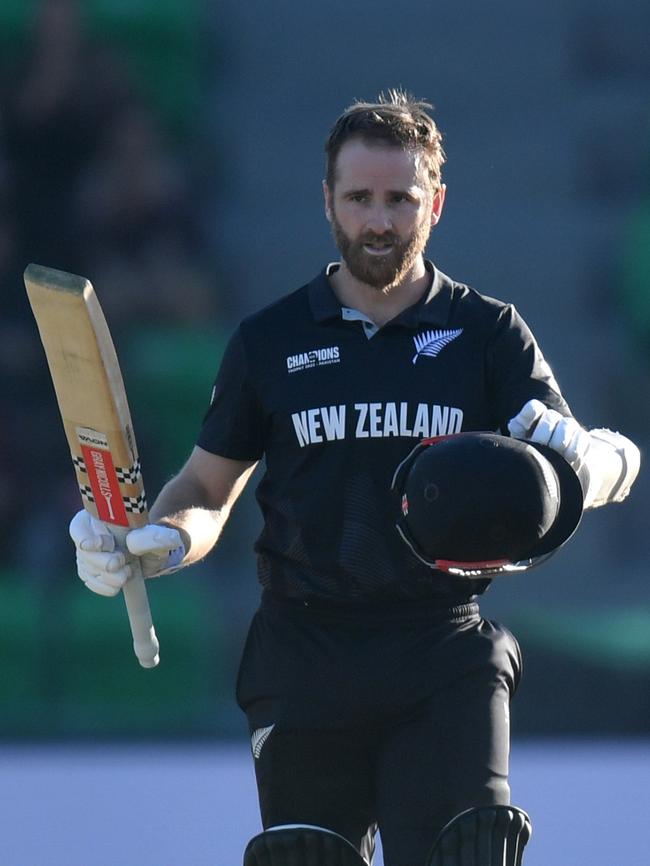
{"x":94,"y":409}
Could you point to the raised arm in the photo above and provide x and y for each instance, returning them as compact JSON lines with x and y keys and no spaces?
{"x":197,"y":501}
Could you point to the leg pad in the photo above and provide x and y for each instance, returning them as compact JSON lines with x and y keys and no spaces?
{"x":485,"y":836}
{"x":301,"y":845}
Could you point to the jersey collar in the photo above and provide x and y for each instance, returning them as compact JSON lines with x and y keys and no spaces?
{"x":433,"y":306}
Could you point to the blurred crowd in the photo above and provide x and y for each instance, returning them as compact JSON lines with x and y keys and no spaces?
{"x":610,"y":62}
{"x":97,"y":178}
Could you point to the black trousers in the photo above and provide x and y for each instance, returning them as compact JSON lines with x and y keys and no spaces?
{"x":361,"y":720}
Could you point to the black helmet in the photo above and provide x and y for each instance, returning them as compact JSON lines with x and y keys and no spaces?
{"x":476,"y":504}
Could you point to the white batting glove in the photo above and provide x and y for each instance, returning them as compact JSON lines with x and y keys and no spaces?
{"x":105,"y":569}
{"x":537,"y":423}
{"x":160,"y":549}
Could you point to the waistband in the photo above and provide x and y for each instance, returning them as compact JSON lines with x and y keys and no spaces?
{"x":400,"y":611}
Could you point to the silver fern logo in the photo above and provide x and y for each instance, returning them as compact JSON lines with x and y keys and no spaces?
{"x":258,"y":738}
{"x":431,"y":343}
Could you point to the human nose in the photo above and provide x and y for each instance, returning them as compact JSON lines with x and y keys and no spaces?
{"x":379,"y":220}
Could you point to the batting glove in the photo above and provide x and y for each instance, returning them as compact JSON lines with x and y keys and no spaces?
{"x":537,"y":423}
{"x":104,"y":568}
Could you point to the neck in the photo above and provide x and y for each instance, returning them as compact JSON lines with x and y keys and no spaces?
{"x":380,"y":305}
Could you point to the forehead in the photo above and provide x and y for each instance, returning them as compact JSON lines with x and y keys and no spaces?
{"x":362,"y":165}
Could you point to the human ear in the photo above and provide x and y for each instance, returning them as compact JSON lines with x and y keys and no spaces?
{"x":438,"y":203}
{"x":328,"y":201}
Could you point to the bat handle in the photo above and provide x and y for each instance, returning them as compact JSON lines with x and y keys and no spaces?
{"x":145,"y":642}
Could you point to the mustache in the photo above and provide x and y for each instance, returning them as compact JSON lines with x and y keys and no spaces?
{"x":387,"y":237}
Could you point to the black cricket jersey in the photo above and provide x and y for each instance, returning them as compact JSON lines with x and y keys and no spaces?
{"x":334,"y":404}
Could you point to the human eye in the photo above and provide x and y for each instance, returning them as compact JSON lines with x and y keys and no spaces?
{"x":400,"y":198}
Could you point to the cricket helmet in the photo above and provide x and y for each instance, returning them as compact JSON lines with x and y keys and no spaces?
{"x":476,"y":504}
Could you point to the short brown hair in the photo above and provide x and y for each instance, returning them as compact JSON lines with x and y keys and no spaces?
{"x":396,"y":119}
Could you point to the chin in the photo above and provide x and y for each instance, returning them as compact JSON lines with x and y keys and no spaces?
{"x":380,"y":279}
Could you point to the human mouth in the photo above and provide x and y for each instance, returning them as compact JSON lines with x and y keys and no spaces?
{"x":378,"y":248}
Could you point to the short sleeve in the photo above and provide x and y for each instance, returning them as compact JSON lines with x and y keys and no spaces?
{"x":233,"y":426}
{"x":517,"y":370}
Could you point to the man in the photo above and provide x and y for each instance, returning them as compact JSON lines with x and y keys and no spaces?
{"x":375,"y":692}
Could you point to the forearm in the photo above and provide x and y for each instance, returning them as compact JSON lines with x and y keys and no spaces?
{"x":199,"y":524}
{"x":199,"y":499}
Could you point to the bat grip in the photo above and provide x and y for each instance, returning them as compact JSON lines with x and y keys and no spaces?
{"x":145,"y":642}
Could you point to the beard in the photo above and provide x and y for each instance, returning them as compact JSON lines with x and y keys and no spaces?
{"x":380,"y":272}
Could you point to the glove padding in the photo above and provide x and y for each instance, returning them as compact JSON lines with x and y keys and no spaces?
{"x":606,"y":462}
{"x":537,"y":423}
{"x":104,"y":568}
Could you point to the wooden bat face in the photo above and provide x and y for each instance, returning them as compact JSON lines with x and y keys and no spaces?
{"x":91,"y":395}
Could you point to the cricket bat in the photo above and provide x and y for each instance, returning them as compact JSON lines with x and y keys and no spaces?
{"x":97,"y":421}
